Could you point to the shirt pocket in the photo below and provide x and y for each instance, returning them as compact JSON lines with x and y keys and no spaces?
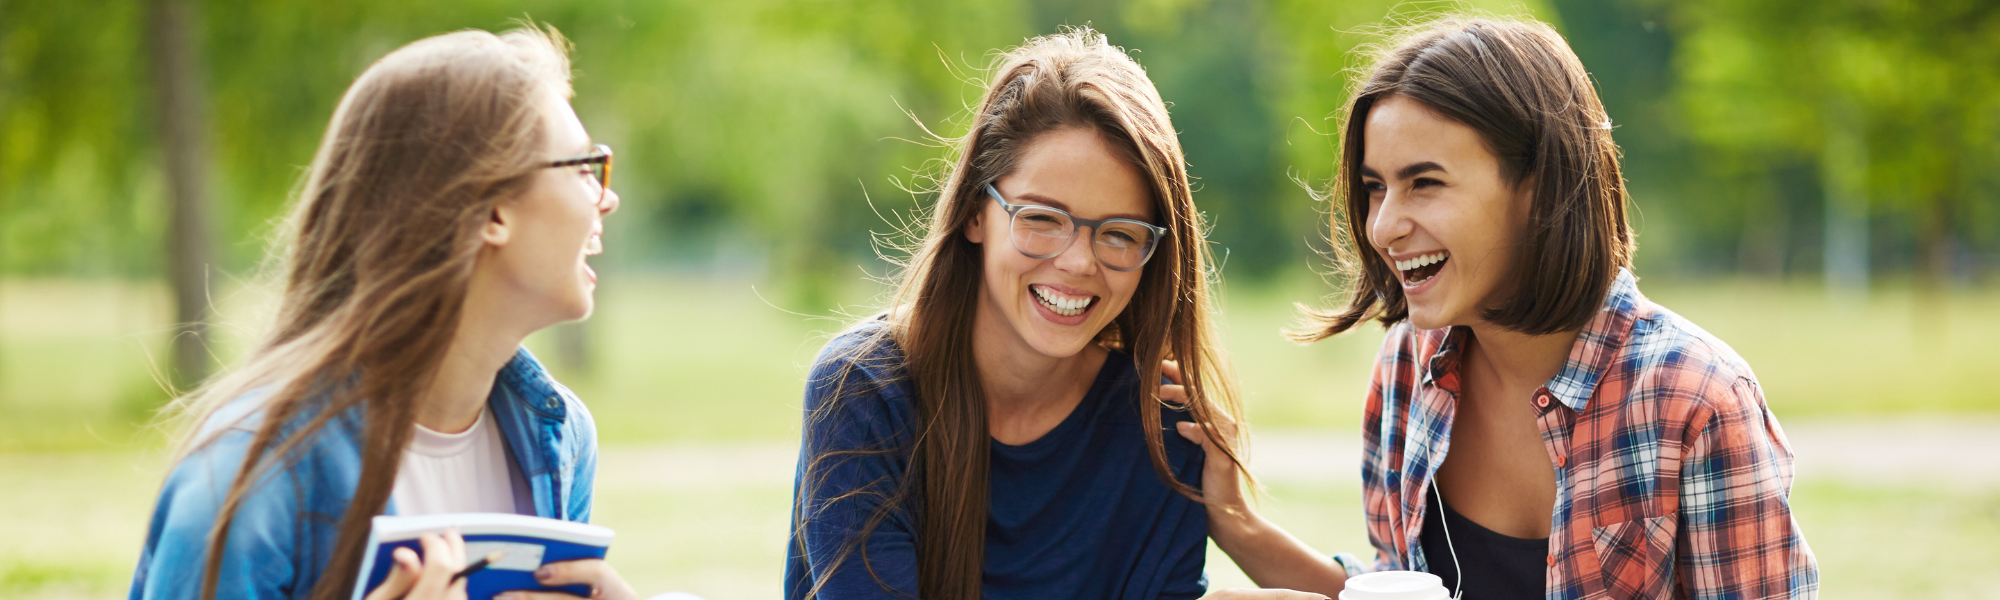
{"x":1636,"y":558}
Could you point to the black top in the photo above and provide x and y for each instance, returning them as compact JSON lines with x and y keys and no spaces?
{"x":1497,"y":567}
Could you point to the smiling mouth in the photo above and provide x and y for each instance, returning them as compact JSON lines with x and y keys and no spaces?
{"x":1422,"y":268}
{"x":1060,"y":303}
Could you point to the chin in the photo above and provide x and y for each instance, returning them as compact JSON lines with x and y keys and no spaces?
{"x":1427,"y":318}
{"x":1059,"y":347}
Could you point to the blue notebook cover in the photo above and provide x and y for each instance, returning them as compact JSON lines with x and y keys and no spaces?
{"x":527,"y":542}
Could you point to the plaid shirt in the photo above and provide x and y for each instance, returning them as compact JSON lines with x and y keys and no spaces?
{"x":1671,"y":473}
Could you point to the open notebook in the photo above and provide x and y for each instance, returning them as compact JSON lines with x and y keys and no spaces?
{"x":527,"y":541}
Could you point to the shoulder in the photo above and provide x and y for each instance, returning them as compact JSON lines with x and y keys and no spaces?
{"x":1670,"y":358}
{"x":858,"y":387}
{"x":862,"y":360}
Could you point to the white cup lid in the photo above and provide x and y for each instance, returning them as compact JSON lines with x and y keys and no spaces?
{"x":1395,"y":585}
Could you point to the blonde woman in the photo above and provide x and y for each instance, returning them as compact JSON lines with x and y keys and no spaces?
{"x":448,"y":215}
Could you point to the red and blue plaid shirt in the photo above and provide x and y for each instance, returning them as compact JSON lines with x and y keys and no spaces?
{"x":1672,"y":476}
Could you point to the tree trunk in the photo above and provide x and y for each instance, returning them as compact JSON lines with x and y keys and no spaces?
{"x":1937,"y":245}
{"x":182,"y":125}
{"x":1844,"y":177}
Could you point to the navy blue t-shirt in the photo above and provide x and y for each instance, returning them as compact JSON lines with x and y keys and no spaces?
{"x":1078,"y":513}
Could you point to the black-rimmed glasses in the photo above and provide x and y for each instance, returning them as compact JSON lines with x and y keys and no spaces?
{"x":598,"y":162}
{"x":1045,"y":231}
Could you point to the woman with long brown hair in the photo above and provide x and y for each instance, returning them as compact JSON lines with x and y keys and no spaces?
{"x":447,"y":215}
{"x":992,"y":434}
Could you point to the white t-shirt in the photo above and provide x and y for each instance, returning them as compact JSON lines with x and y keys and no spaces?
{"x":468,"y":471}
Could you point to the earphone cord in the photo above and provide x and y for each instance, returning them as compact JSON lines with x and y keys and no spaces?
{"x":1458,"y":587}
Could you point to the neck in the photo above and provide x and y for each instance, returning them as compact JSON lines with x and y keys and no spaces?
{"x":1520,"y":360}
{"x":1018,"y":380}
{"x":480,"y":347}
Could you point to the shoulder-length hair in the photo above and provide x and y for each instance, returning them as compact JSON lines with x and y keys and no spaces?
{"x":383,"y":239}
{"x":1074,"y":79}
{"x":1521,"y":88}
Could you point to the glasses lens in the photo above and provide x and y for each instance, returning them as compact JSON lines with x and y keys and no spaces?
{"x":1123,"y":245}
{"x":1041,"y":232}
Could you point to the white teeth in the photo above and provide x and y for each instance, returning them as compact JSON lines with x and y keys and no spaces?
{"x":1062,"y":305}
{"x":1421,"y":261}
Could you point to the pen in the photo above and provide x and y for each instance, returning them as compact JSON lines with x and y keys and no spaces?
{"x":491,"y":557}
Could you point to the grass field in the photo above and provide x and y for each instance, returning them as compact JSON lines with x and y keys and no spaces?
{"x":687,"y":373}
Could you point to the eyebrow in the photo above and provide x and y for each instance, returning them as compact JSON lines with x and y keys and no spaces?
{"x":1052,"y":202}
{"x":1407,"y":172}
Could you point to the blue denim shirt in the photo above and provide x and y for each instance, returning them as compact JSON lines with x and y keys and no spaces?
{"x":287,"y":524}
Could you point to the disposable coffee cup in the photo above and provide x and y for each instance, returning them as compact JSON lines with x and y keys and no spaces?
{"x":1395,"y":585}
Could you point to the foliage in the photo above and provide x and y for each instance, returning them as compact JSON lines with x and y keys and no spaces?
{"x":775,"y":133}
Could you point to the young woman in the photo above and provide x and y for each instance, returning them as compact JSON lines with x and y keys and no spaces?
{"x":997,"y":432}
{"x":448,"y":214}
{"x":1535,"y":428}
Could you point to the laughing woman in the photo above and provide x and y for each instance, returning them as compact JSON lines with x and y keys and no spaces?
{"x":1536,"y":427}
{"x":991,"y":434}
{"x":447,"y":216}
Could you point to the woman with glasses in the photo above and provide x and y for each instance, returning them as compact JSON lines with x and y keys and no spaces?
{"x":997,"y":432}
{"x":449,"y":213}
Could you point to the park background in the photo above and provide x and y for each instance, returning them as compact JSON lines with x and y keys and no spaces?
{"x":1815,"y":181}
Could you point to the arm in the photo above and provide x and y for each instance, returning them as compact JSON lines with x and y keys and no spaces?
{"x":1265,"y":551}
{"x":1738,"y":538}
{"x":258,"y":560}
{"x":847,"y":540}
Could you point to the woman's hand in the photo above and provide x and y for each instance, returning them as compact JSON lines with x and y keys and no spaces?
{"x":427,"y":577}
{"x":604,"y":582}
{"x":1263,"y":595}
{"x":1221,"y":479}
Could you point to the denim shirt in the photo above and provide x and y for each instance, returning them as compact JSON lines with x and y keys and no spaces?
{"x":288,"y":522}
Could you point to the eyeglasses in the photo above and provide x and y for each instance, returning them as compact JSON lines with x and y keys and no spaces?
{"x":1043,"y":232}
{"x":598,"y":162}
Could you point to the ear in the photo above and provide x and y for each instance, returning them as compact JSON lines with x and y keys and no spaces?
{"x":975,"y":231}
{"x":499,"y":226}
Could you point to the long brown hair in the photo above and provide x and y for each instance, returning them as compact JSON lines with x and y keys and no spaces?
{"x":383,"y":241}
{"x":1075,"y":79}
{"x":1518,"y":84}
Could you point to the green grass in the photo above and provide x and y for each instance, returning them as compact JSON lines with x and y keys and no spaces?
{"x":78,"y":533}
{"x":711,"y":366}
{"x":677,"y":359}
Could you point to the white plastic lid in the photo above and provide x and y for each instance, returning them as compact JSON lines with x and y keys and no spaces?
{"x":1395,"y":585}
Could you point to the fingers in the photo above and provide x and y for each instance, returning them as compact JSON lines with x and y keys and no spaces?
{"x":1263,"y":595}
{"x":1172,"y":370}
{"x":604,"y":581}
{"x":1192,"y":431}
{"x":1174,"y":394}
{"x":528,"y":595}
{"x":401,"y":576}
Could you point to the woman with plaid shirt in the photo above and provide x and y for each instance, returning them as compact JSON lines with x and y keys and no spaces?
{"x":1535,"y":427}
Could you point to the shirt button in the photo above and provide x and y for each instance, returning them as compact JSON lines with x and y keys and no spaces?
{"x":551,"y":403}
{"x":1552,"y":560}
{"x":1542,"y":400}
{"x":1562,"y":461}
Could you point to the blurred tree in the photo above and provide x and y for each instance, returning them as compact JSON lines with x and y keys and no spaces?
{"x":182,"y":122}
{"x":1894,"y":102}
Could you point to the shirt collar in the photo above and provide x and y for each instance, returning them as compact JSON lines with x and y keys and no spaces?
{"x":1589,"y":357}
{"x":531,"y":386}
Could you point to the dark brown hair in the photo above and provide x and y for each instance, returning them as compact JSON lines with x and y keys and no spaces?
{"x":384,"y":237}
{"x":1518,"y":84}
{"x":1075,"y":79}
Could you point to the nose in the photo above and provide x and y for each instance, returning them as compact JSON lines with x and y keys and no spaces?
{"x":1389,"y":222}
{"x":1079,"y":258}
{"x":608,"y":204}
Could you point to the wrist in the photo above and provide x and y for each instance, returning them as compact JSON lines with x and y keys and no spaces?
{"x":1235,"y":525}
